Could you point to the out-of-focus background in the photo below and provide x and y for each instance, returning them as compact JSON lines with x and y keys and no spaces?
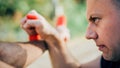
{"x":11,"y":12}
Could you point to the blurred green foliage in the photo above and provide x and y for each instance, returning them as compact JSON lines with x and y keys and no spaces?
{"x":11,"y":11}
{"x":75,"y":10}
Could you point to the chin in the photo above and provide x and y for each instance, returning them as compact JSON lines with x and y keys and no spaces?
{"x":107,"y":58}
{"x":111,"y":58}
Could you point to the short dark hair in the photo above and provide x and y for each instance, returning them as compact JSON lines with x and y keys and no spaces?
{"x":116,"y":3}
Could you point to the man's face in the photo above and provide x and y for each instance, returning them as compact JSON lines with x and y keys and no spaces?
{"x":104,"y":27}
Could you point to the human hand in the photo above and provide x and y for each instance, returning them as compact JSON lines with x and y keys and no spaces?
{"x":44,"y":29}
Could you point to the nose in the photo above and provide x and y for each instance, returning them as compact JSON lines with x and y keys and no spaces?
{"x":91,"y":34}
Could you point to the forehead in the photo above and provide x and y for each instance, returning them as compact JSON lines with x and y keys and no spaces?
{"x":99,"y":6}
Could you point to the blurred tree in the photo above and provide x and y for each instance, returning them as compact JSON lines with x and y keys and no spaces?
{"x":7,"y":7}
{"x":80,"y":1}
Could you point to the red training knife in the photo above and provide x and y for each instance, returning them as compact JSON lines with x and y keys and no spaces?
{"x":36,"y":36}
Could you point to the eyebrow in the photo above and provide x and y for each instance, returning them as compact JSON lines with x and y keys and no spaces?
{"x":96,"y":13}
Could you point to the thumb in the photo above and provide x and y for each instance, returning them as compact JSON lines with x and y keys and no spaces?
{"x":32,"y":23}
{"x":64,"y":33}
{"x":32,"y":27}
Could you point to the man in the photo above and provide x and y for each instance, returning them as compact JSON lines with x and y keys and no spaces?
{"x":103,"y":27}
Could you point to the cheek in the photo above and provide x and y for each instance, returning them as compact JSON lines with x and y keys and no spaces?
{"x":104,"y":33}
{"x":109,"y":33}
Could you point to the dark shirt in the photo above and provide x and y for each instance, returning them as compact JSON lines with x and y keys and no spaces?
{"x":109,"y":64}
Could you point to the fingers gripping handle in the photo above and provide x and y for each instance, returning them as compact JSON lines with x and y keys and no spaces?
{"x":36,"y":36}
{"x":61,"y":26}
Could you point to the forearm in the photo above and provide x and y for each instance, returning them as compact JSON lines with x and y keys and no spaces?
{"x":21,"y":54}
{"x":5,"y":65}
{"x":61,"y":57}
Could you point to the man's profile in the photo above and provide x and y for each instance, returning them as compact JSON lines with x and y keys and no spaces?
{"x":103,"y":27}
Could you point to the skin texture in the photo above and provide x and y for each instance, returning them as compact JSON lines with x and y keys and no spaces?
{"x":20,"y":54}
{"x":103,"y":27}
{"x":54,"y":37}
{"x":5,"y":65}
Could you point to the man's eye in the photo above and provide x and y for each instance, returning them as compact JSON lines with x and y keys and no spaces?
{"x":94,"y":19}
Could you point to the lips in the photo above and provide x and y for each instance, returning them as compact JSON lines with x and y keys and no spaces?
{"x":101,"y":47}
